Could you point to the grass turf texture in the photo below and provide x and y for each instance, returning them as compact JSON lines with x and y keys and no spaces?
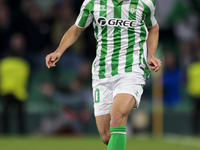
{"x":94,"y":143}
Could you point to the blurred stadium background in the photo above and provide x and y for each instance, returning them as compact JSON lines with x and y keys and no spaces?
{"x":53,"y":109}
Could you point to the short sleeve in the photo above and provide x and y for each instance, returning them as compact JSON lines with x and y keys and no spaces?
{"x":85,"y":16}
{"x":150,"y":19}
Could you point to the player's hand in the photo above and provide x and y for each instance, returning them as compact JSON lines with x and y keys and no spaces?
{"x":154,"y":63}
{"x":52,"y":59}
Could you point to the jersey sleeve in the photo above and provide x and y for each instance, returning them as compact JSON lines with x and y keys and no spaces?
{"x":85,"y":16}
{"x":150,"y":19}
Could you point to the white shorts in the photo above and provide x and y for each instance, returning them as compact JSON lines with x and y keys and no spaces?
{"x":104,"y":91}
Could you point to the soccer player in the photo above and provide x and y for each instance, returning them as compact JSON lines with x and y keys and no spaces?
{"x":124,"y":31}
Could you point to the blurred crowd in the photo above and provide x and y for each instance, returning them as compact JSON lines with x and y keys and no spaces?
{"x":179,"y":22}
{"x":30,"y":29}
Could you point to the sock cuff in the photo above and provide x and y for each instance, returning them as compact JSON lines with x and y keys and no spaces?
{"x":119,"y":130}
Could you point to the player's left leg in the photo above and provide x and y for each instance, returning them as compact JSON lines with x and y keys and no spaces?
{"x":121,"y":107}
{"x":103,"y":98}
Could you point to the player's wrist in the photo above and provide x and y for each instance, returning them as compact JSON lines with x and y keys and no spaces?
{"x":58,"y":52}
{"x":151,"y":56}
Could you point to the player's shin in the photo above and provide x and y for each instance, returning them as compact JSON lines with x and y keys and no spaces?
{"x":118,"y":138}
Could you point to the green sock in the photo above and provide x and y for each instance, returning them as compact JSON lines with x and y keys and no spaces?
{"x":118,"y":138}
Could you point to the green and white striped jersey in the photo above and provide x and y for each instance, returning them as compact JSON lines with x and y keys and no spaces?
{"x":121,"y":33}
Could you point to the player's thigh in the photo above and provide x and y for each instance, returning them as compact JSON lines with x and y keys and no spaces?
{"x":122,"y":105}
{"x":103,"y":125}
{"x":103,"y":97}
{"x":127,"y":85}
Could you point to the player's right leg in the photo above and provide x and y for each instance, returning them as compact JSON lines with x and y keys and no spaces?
{"x":103,"y":125}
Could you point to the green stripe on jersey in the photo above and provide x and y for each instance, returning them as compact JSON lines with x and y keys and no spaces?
{"x":102,"y":63}
{"x":95,"y":30}
{"x":96,"y":33}
{"x":131,"y":38}
{"x":147,"y":71}
{"x":143,"y":39}
{"x":85,"y":15}
{"x":117,"y":40}
{"x":153,"y":2}
{"x":142,"y":35}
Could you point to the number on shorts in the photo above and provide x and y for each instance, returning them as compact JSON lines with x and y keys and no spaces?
{"x":97,"y":96}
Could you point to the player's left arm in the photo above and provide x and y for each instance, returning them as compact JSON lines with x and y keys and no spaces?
{"x":152,"y":40}
{"x":152,"y":43}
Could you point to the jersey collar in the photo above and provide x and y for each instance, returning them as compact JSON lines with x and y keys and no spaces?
{"x":115,"y":2}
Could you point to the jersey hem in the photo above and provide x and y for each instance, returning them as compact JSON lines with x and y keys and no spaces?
{"x":153,"y":25}
{"x":80,"y":26}
{"x":141,"y":79}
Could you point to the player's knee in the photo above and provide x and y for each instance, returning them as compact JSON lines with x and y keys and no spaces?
{"x":118,"y":119}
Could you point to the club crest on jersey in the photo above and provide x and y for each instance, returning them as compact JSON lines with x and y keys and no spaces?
{"x":103,"y":7}
{"x":132,"y":9}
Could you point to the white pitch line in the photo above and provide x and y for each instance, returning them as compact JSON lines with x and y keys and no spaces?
{"x":183,"y":140}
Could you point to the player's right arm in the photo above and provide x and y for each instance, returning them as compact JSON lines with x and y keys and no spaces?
{"x":152,"y":40}
{"x":83,"y":21}
{"x":68,"y":39}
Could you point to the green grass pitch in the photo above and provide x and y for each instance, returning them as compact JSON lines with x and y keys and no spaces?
{"x":94,"y":143}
